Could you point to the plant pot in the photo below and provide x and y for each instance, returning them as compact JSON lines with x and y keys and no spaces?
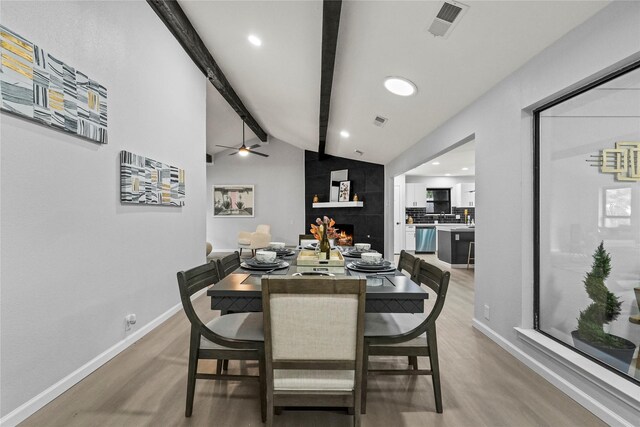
{"x":619,"y":358}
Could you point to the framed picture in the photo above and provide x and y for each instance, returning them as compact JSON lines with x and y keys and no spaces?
{"x":345,"y":189}
{"x":334,"y":183}
{"x":233,"y":201}
{"x":145,"y":181}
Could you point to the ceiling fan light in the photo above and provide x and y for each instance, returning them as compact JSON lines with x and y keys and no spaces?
{"x":400,"y":86}
{"x":243,"y":152}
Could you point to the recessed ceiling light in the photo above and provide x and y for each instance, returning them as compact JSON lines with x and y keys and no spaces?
{"x":447,"y":174}
{"x":254,"y":40}
{"x":400,"y":86}
{"x":344,"y":134}
{"x":435,"y":163}
{"x":465,"y":169}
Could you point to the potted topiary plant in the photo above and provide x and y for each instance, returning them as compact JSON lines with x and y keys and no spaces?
{"x":590,"y":337}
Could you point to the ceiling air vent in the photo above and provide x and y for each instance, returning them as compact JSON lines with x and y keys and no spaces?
{"x":380,"y":121}
{"x":448,"y":17}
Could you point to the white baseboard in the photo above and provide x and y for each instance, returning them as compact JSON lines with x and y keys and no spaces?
{"x":590,"y":403}
{"x":28,"y":408}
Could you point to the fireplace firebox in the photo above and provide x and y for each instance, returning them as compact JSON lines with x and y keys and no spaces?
{"x":345,"y":234}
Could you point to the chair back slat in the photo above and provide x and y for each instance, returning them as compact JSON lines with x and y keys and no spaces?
{"x":408,"y":263}
{"x":430,"y":275}
{"x":228,"y":264}
{"x":200,"y":277}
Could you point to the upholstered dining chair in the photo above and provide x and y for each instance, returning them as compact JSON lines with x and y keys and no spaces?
{"x":408,"y":263}
{"x":405,"y":334}
{"x":313,"y":328}
{"x":237,"y":336}
{"x":255,"y":240}
{"x":229,"y":263}
{"x":306,"y":239}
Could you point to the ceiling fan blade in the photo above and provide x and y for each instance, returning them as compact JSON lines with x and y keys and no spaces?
{"x":259,"y":154}
{"x":253,"y":146}
{"x":225,"y":146}
{"x":234,"y":153}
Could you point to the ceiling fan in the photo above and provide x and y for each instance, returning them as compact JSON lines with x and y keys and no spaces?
{"x":243,"y":150}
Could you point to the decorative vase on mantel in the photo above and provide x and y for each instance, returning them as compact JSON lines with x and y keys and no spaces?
{"x":325,"y":247}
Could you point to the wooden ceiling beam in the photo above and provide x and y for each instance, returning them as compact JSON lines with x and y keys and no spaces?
{"x":177,"y":22}
{"x":330,"y":24}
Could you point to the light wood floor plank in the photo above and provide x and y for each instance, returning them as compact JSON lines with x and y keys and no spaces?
{"x":482,"y":385}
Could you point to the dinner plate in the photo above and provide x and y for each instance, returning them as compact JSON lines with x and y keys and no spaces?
{"x":381,"y":266}
{"x":351,"y":266}
{"x":357,"y":254}
{"x":255,"y":263}
{"x":279,"y":266}
{"x":283,"y":252}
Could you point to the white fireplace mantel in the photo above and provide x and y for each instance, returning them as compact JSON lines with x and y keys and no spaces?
{"x":338,"y":205}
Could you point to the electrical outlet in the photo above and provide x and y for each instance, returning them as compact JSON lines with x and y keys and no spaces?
{"x":130,"y":319}
{"x":486,"y":311}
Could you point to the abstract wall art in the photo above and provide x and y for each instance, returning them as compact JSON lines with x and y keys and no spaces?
{"x":146,"y":181}
{"x":36,"y":85}
{"x":233,"y":200}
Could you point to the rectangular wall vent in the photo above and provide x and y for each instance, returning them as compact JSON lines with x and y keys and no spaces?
{"x":449,"y":12}
{"x":380,"y":121}
{"x":447,"y":18}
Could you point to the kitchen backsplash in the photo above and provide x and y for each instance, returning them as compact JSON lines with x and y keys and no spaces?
{"x":420,"y":216}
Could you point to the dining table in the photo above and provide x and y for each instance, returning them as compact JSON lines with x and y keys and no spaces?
{"x":393,"y":292}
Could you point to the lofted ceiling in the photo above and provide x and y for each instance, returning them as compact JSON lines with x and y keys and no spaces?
{"x":279,"y":82}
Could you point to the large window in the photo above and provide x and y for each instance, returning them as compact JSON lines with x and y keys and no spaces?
{"x":587,"y":221}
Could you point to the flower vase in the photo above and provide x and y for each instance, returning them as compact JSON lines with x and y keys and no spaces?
{"x":325,"y":247}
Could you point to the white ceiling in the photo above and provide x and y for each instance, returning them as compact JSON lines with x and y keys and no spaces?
{"x":450,"y":163}
{"x":279,"y":82}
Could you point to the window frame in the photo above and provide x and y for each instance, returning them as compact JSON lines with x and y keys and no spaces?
{"x":536,"y":203}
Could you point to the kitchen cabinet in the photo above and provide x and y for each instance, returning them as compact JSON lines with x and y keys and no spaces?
{"x":410,"y":238}
{"x":463,"y":195}
{"x":416,"y":195}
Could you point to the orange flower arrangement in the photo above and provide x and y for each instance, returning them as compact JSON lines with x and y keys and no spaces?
{"x":323,"y":224}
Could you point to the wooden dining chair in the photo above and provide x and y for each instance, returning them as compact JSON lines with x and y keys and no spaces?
{"x":313,"y":328}
{"x":411,"y":335}
{"x":408,"y":263}
{"x":228,"y":264}
{"x":237,"y":336}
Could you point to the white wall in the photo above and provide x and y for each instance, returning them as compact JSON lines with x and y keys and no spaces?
{"x":502,"y":124}
{"x":74,"y":260}
{"x":279,"y":194}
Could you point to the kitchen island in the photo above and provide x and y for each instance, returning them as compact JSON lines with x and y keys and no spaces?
{"x":453,"y":245}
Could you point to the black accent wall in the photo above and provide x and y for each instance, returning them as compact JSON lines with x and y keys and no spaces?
{"x":367,"y":181}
